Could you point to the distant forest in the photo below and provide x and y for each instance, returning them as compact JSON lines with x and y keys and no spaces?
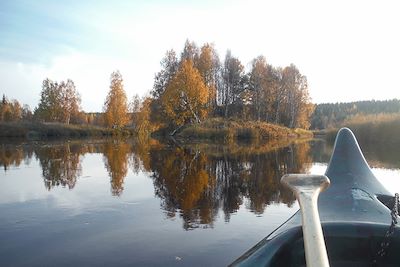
{"x":335,"y":115}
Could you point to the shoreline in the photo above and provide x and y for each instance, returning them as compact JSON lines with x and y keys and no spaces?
{"x":221,"y":130}
{"x":210,"y":131}
{"x":41,"y":131}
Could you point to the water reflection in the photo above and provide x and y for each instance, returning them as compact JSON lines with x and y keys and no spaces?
{"x":13,"y":155}
{"x":183,"y":182}
{"x":60,"y":164}
{"x":116,"y":154}
{"x":194,"y":182}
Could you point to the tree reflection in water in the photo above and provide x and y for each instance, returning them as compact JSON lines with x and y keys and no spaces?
{"x":194,"y":182}
{"x":60,"y":164}
{"x":182,"y":182}
{"x":116,"y":154}
{"x":14,"y":155}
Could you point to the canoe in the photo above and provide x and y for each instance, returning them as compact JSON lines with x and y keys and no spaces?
{"x":355,"y":213}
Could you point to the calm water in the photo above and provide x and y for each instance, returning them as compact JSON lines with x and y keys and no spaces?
{"x":126,"y":203}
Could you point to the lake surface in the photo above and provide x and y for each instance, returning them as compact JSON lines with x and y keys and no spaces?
{"x":132,"y":203}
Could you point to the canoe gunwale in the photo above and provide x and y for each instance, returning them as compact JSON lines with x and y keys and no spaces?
{"x":271,"y":252}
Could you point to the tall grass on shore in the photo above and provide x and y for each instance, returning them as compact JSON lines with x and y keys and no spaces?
{"x":36,"y":130}
{"x":219,"y":129}
{"x":374,"y":128}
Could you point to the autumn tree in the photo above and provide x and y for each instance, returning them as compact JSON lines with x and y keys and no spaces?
{"x":5,"y":111}
{"x":186,"y":96}
{"x":169,"y":66}
{"x":265,"y":93}
{"x":260,"y":83}
{"x":49,"y":108}
{"x":208,"y":65}
{"x":305,"y":113}
{"x":141,"y":111}
{"x":58,"y":101}
{"x":16,"y":110}
{"x":10,"y":110}
{"x":277,"y":84}
{"x":13,"y":110}
{"x":115,"y":106}
{"x":232,"y":74}
{"x":246,"y":99}
{"x":297,"y":98}
{"x":190,"y":52}
{"x":143,"y":125}
{"x":134,"y":107}
{"x":70,"y":101}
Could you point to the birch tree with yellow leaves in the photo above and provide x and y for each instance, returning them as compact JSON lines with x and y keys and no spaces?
{"x":185,"y":99}
{"x":208,"y":65}
{"x":115,"y":106}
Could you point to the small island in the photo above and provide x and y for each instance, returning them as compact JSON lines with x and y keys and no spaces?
{"x":196,"y":96}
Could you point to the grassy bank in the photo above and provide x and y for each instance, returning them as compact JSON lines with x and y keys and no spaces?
{"x":218,"y":129}
{"x":235,"y":149}
{"x":36,"y":130}
{"x":377,"y":129}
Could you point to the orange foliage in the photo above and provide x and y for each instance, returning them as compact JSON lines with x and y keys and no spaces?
{"x":115,"y":106}
{"x":186,"y":96}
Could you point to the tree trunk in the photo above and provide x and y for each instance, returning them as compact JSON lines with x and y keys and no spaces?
{"x":68,"y":118}
{"x":187,"y":103}
{"x":278,"y":105}
{"x":175,"y":131}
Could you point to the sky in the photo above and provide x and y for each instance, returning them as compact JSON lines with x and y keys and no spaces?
{"x":349,"y":50}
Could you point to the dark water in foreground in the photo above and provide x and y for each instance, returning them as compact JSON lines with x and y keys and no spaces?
{"x":126,"y":203}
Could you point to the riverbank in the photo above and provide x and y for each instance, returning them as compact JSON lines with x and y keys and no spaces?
{"x":37,"y":130}
{"x":376,"y":129}
{"x":221,"y":130}
{"x":212,"y":130}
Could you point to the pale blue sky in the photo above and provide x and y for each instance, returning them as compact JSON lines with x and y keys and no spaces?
{"x":349,"y":50}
